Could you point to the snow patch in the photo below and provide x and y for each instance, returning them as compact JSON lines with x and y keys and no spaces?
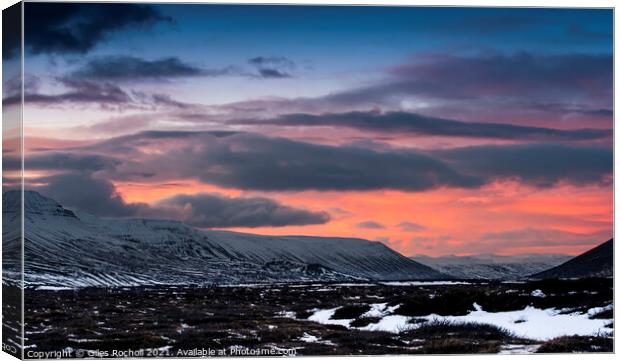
{"x":325,"y":317}
{"x":309,"y":338}
{"x":529,"y":323}
{"x":425,"y":283}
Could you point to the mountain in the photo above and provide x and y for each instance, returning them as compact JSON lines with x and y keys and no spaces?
{"x":490,"y":266}
{"x":597,"y":262}
{"x":67,"y":248}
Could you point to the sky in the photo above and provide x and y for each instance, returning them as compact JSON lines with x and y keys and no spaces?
{"x":433,"y":130}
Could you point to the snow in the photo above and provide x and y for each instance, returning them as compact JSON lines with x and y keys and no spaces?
{"x":380,"y":310}
{"x":529,"y":323}
{"x":517,"y":349}
{"x":392,"y":323}
{"x":425,"y":283}
{"x":53,"y":288}
{"x":538,"y":293}
{"x":596,"y":310}
{"x":534,"y":323}
{"x":287,"y":314}
{"x":355,"y":284}
{"x":308,"y":338}
{"x":324,"y":317}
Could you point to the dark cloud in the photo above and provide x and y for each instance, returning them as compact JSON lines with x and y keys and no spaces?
{"x":504,"y":82}
{"x":410,"y":226}
{"x":490,"y":87}
{"x":74,"y":28}
{"x":217,"y":211}
{"x":370,"y":225}
{"x":63,"y":161}
{"x":102,"y":94}
{"x":78,"y":92}
{"x":515,"y":75}
{"x":255,"y":162}
{"x":87,"y":192}
{"x":83,"y":191}
{"x":404,"y":122}
{"x":250,"y":161}
{"x":564,"y":108}
{"x":11,"y":30}
{"x":129,"y":68}
{"x":540,"y":165}
{"x":272,"y":66}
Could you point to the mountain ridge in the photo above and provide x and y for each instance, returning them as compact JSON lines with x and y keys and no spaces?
{"x":67,"y":248}
{"x":596,"y":262}
{"x":492,"y":267}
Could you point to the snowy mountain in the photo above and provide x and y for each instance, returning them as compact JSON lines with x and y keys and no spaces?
{"x":597,"y":262}
{"x":67,"y":248}
{"x":490,"y":266}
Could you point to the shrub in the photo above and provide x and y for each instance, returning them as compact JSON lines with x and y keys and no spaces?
{"x":364,"y":321}
{"x":349,"y":312}
{"x":460,"y":346}
{"x":566,"y":344}
{"x":465,"y":330}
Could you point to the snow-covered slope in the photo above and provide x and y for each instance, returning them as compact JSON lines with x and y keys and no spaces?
{"x":490,"y":266}
{"x":63,"y":248}
{"x":597,"y":262}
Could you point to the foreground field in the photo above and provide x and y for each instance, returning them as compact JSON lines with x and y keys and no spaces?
{"x":323,"y":319}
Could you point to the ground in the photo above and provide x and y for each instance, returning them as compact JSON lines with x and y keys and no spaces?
{"x":320,"y":319}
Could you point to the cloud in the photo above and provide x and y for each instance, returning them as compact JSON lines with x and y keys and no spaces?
{"x":518,"y":75}
{"x":11,"y":30}
{"x":370,"y":225}
{"x":410,"y":226}
{"x":256,"y":162}
{"x":212,"y":210}
{"x":405,"y":122}
{"x":84,"y":191}
{"x":130,"y":68}
{"x":74,"y":28}
{"x":272,"y":66}
{"x":62,"y":161}
{"x":250,"y":161}
{"x":489,"y":87}
{"x":87,"y":192}
{"x":102,"y":94}
{"x":540,"y":165}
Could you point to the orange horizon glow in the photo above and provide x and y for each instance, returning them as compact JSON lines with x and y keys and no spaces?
{"x":453,"y":221}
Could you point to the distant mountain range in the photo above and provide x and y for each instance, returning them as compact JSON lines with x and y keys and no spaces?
{"x":492,"y":267}
{"x":597,"y":262}
{"x":67,"y":248}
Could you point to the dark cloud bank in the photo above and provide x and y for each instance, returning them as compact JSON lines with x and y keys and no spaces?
{"x":75,"y":28}
{"x":413,"y":123}
{"x":87,"y":192}
{"x":254,"y":162}
{"x":131,"y":69}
